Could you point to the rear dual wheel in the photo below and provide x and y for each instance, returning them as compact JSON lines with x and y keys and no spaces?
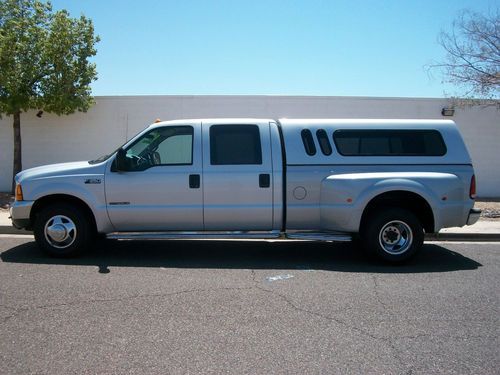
{"x":393,"y":234}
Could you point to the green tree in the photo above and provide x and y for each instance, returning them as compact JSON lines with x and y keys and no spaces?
{"x":44,"y":63}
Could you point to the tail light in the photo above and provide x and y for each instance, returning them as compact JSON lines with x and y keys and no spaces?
{"x":472,"y":190}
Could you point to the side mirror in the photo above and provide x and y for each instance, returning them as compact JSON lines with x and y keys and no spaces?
{"x":121,"y":160}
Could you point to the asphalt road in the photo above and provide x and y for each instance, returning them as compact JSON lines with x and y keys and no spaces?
{"x":248,"y":308}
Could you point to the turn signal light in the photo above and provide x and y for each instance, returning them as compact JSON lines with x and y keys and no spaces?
{"x":472,"y":190}
{"x":19,"y":193}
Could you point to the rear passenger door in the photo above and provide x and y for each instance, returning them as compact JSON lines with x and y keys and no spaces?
{"x":237,"y":177}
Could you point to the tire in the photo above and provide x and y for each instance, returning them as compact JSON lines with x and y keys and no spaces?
{"x":62,"y":230}
{"x":394,"y":234}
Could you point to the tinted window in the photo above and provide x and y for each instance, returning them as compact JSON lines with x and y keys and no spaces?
{"x":176,"y":149}
{"x":389,"y":142}
{"x":235,"y":144}
{"x":308,"y":141}
{"x":324,"y":142}
{"x":172,"y":145}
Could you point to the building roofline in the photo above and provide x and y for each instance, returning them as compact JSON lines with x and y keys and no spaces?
{"x":272,"y":96}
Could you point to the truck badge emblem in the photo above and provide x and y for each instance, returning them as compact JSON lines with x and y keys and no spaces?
{"x":93,"y":181}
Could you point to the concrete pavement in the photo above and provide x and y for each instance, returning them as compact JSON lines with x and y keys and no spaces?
{"x":483,"y":230}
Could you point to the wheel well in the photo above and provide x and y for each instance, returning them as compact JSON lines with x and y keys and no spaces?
{"x":61,"y":198}
{"x":402,"y":199}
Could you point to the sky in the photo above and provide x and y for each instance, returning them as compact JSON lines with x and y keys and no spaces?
{"x":254,"y":47}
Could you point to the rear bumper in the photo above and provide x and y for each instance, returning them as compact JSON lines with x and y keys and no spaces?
{"x":20,"y":214}
{"x":474,"y":214}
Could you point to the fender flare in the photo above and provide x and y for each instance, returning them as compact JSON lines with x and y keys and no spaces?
{"x":373,"y":191}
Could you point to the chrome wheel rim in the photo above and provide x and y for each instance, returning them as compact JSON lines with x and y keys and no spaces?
{"x":395,"y":237}
{"x":60,"y":231}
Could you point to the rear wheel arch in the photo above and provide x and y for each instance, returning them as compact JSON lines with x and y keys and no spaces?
{"x":402,"y":199}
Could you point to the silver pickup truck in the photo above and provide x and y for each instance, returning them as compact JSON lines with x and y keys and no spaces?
{"x":386,"y":182}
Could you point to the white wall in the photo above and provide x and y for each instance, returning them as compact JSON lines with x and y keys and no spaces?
{"x":112,"y":120}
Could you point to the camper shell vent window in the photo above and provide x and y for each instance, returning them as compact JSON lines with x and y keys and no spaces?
{"x":324,"y":142}
{"x":308,"y":141}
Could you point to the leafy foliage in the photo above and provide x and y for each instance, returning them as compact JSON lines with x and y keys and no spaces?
{"x":44,"y":58}
{"x":44,"y":63}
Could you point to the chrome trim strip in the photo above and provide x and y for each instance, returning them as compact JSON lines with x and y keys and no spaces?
{"x":308,"y":236}
{"x":194,"y":235}
{"x":320,"y":236}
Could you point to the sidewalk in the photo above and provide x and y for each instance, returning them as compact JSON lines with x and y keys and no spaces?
{"x":483,"y":230}
{"x":6,"y":225}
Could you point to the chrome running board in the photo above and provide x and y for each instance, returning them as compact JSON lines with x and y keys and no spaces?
{"x":234,"y":235}
{"x":194,"y":235}
{"x":319,"y":236}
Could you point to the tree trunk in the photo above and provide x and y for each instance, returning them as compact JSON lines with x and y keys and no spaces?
{"x":17,"y":166}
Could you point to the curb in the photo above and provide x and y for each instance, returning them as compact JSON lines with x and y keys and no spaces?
{"x":466,"y":237}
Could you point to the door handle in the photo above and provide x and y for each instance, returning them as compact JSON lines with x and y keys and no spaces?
{"x":194,"y":181}
{"x":264,"y":180}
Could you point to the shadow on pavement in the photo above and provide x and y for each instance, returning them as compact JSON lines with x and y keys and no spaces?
{"x":243,"y":255}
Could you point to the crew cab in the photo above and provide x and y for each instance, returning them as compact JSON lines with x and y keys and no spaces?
{"x":386,"y":182}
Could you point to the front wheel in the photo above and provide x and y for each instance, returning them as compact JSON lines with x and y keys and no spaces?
{"x":394,"y":234}
{"x":62,"y":230}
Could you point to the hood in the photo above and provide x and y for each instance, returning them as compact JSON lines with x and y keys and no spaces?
{"x":61,"y":169}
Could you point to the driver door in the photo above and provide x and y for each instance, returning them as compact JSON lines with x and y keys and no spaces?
{"x":161,"y":188}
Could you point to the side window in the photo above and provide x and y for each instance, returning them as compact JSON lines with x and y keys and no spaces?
{"x":389,"y":142}
{"x":324,"y":143}
{"x":235,"y":144}
{"x":171,"y":145}
{"x":176,"y":149}
{"x":308,"y":141}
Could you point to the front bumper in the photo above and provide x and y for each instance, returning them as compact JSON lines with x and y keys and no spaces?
{"x":474,"y":214}
{"x":20,"y":214}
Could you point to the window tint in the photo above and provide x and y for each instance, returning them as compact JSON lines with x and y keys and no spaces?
{"x":235,"y":144}
{"x":308,"y":141}
{"x":324,"y":142}
{"x":389,"y":142}
{"x":176,"y":149}
{"x":171,"y":145}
